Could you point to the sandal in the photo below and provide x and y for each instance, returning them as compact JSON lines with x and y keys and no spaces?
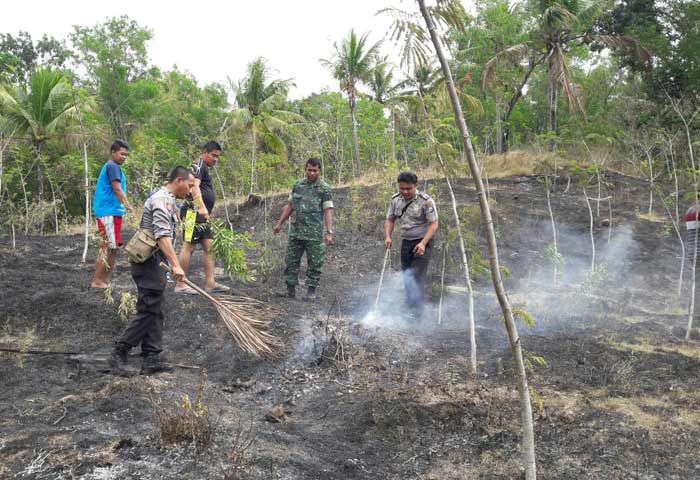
{"x":186,"y":291}
{"x":219,"y":289}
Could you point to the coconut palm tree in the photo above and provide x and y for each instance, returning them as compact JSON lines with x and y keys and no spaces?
{"x":561,"y":25}
{"x":381,"y":81}
{"x":40,"y":111}
{"x":352,"y":64}
{"x":261,"y":109}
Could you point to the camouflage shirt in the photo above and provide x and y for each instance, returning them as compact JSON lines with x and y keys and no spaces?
{"x":415,"y":214}
{"x":309,"y":200}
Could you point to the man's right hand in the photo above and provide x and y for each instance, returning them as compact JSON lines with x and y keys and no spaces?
{"x":277,"y":229}
{"x":204,"y":214}
{"x":387,"y":243}
{"x":178,"y":273}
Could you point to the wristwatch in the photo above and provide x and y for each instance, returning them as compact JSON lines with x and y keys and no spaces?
{"x":329,"y":232}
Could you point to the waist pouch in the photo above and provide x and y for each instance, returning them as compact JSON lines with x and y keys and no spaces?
{"x":141,"y":246}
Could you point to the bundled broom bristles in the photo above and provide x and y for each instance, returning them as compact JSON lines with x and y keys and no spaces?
{"x":248,"y":321}
{"x":246,"y":318}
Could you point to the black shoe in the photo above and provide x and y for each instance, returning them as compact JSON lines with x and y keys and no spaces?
{"x":153,"y":364}
{"x":290,"y":293}
{"x":118,"y":359}
{"x":310,"y":294}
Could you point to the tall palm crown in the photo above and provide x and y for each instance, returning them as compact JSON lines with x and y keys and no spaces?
{"x":40,"y":110}
{"x":352,"y":62}
{"x":381,"y":81}
{"x":256,"y":92}
{"x":261,"y":109}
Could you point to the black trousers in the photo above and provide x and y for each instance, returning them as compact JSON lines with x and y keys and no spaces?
{"x":414,"y":269}
{"x":146,"y":327}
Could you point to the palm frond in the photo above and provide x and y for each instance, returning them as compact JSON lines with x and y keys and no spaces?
{"x":571,"y":90}
{"x":623,"y":44}
{"x":514,"y":54}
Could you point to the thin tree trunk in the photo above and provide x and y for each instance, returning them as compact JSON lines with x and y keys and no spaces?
{"x":600,"y":193}
{"x":40,"y":185}
{"x":552,"y":100}
{"x":252,"y":160}
{"x":86,"y":185}
{"x":499,"y":131}
{"x":651,"y":180}
{"x":223,"y":194}
{"x":53,"y":200}
{"x":676,"y":224}
{"x":340,"y":168}
{"x":691,"y":154}
{"x":393,"y":138}
{"x":14,"y":243}
{"x":610,"y":218}
{"x":691,"y":310}
{"x":554,"y":235}
{"x":460,"y":237}
{"x":2,"y":151}
{"x":590,"y":214}
{"x":355,"y":136}
{"x":26,"y":203}
{"x":523,"y":388}
{"x":442,"y":283}
{"x":86,"y":240}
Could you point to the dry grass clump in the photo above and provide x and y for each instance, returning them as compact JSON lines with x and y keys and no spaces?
{"x":515,"y":163}
{"x":185,"y":421}
{"x":241,"y":441}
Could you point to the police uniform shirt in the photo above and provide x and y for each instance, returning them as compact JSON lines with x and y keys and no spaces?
{"x":160,"y":214}
{"x":418,"y":213}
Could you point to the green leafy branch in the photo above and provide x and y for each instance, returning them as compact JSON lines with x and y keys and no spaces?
{"x":230,"y":248}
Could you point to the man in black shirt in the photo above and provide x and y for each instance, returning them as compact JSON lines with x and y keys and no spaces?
{"x":195,"y":215}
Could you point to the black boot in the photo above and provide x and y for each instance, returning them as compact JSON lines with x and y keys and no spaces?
{"x":153,"y":364}
{"x":290,"y":293}
{"x":310,"y":294}
{"x":118,"y":359}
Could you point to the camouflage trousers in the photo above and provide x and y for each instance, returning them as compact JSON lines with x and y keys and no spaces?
{"x":315,"y":257}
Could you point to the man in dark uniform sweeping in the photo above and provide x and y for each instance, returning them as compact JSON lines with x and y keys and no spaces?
{"x":146,"y":327}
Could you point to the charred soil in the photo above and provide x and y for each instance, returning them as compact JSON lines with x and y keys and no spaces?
{"x":614,"y":386}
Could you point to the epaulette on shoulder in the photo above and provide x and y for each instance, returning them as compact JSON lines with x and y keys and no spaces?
{"x":396,"y":195}
{"x":424,"y":195}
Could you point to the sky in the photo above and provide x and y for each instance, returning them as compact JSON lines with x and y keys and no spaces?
{"x":215,"y":39}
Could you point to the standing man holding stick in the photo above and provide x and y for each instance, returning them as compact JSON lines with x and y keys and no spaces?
{"x":312,"y":229}
{"x":110,"y":205}
{"x":158,"y":226}
{"x":418,"y":227}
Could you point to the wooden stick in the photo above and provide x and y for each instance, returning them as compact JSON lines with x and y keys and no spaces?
{"x":381,"y":278}
{"x":36,"y":352}
{"x":199,"y":290}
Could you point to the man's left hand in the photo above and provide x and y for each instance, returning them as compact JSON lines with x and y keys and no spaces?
{"x":419,"y":249}
{"x":328,"y":238}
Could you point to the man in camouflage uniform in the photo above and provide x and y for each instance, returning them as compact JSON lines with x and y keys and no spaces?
{"x":418,"y":226}
{"x":312,"y":228}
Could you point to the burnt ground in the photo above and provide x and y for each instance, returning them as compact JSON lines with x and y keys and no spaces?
{"x":615,"y":388}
